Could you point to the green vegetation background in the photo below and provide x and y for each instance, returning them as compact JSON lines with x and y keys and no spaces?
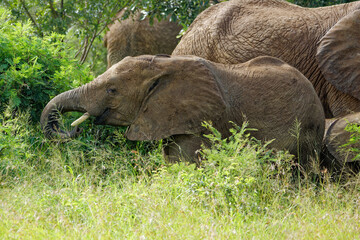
{"x":104,"y":186}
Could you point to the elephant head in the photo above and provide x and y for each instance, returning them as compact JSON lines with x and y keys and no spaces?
{"x":159,"y":97}
{"x":155,"y":95}
{"x":133,"y":37}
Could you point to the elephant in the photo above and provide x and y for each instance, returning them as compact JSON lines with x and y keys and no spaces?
{"x":169,"y":97}
{"x":133,"y":37}
{"x":322,"y":43}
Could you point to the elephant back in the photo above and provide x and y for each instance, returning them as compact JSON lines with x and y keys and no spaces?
{"x":278,"y":101}
{"x":238,"y":31}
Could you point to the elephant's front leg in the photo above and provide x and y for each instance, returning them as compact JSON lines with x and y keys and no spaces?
{"x":183,"y":148}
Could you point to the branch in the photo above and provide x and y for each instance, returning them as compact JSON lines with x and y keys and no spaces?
{"x":54,"y":13}
{"x":83,"y":45}
{"x":62,"y":8}
{"x":87,"y":49}
{"x":6,"y":2}
{"x":31,"y":18}
{"x":88,"y":45}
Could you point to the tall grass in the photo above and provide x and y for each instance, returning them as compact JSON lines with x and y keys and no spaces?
{"x":103,"y":186}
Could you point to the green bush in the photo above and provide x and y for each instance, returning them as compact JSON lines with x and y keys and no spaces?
{"x":238,"y":174}
{"x":33,"y":69}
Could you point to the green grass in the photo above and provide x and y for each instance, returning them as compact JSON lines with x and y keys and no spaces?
{"x":102,"y":186}
{"x":160,"y":210}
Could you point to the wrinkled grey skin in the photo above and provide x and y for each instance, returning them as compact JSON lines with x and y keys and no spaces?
{"x":161,"y":97}
{"x":322,"y":43}
{"x":133,"y":37}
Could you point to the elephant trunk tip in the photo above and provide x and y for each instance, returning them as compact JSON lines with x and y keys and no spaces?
{"x":51,"y":128}
{"x":68,"y":101}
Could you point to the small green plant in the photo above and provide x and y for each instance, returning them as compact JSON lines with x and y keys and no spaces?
{"x":352,"y":144}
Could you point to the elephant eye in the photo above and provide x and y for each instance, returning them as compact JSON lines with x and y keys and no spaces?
{"x":111,"y":91}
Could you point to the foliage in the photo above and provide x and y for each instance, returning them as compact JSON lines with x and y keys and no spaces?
{"x":236,"y":173}
{"x":84,"y":22}
{"x":14,"y":144}
{"x":88,"y":18}
{"x":104,"y":186}
{"x":182,"y":11}
{"x":33,"y":69}
{"x":352,"y":144}
{"x":101,"y":153}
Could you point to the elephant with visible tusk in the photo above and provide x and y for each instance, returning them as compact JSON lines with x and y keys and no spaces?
{"x":322,"y":43}
{"x":161,"y":97}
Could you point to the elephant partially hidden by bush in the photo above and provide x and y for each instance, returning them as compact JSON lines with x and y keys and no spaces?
{"x":161,"y":97}
{"x":133,"y":37}
{"x":322,"y":43}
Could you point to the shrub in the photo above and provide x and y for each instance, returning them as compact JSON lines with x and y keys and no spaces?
{"x":238,"y":174}
{"x":33,"y":69}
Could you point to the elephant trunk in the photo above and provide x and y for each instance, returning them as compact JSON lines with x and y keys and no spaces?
{"x":65,"y":102}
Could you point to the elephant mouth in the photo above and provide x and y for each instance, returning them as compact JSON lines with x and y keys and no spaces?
{"x":100,"y":120}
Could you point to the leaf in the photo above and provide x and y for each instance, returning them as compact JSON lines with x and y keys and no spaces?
{"x":15,"y":101}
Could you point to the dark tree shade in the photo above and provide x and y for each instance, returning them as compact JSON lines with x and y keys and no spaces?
{"x":318,"y":3}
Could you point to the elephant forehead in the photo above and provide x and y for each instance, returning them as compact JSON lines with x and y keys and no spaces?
{"x":129,"y":63}
{"x":127,"y":68}
{"x":152,"y":63}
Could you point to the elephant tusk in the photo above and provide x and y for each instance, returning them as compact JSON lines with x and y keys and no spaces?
{"x":80,"y":119}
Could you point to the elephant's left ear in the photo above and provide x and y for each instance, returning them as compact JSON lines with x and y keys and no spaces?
{"x":339,"y":54}
{"x":179,"y":103}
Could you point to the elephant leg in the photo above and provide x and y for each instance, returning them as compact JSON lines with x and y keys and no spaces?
{"x":183,"y":148}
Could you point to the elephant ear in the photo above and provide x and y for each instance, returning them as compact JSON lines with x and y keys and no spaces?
{"x":339,"y":54}
{"x":179,"y":103}
{"x":336,"y":136}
